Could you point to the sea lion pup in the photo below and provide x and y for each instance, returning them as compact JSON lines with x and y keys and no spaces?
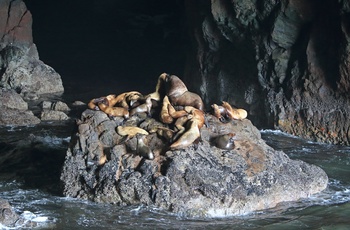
{"x":193,"y":125}
{"x":225,"y":141}
{"x":179,"y":95}
{"x":93,"y":104}
{"x":237,"y":114}
{"x":113,"y":111}
{"x":142,"y":149}
{"x":143,"y":108}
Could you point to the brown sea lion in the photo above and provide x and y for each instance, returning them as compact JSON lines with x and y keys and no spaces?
{"x":143,"y":108}
{"x":176,"y":113}
{"x":237,"y":114}
{"x":93,"y":104}
{"x":130,"y":131}
{"x":123,"y":99}
{"x":225,"y":141}
{"x":188,"y":137}
{"x":164,"y":113}
{"x":179,"y":95}
{"x":192,"y":133}
{"x":113,"y":111}
{"x":157,"y":94}
{"x":219,"y":112}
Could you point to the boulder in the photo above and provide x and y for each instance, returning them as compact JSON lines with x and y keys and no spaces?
{"x":22,"y":74}
{"x":8,"y":216}
{"x":198,"y":181}
{"x":53,"y":115}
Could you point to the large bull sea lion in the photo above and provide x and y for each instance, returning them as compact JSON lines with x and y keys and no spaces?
{"x":179,"y":94}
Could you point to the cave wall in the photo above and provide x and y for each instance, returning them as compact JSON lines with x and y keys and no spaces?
{"x":285,"y":61}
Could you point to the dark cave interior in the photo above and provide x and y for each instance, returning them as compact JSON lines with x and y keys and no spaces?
{"x":102,"y":47}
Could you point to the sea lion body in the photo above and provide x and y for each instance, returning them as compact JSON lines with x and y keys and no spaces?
{"x":113,"y":111}
{"x":236,"y":114}
{"x":225,"y":141}
{"x":130,"y":131}
{"x":164,"y":113}
{"x":158,"y":94}
{"x":143,"y":149}
{"x":219,"y":112}
{"x":93,"y":104}
{"x":188,"y":137}
{"x":143,"y":108}
{"x":179,"y":94}
{"x":194,"y":124}
{"x":123,"y":99}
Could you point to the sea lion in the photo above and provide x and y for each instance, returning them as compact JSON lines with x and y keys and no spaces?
{"x":179,"y":95}
{"x":143,"y":108}
{"x":123,"y":99}
{"x":166,"y":133}
{"x":225,"y":141}
{"x":193,"y":125}
{"x":113,"y":111}
{"x":197,"y":114}
{"x":164,"y":113}
{"x":130,"y":131}
{"x":237,"y":114}
{"x":176,"y":113}
{"x":142,"y":149}
{"x":157,"y":94}
{"x":219,"y":112}
{"x":93,"y":104}
{"x":188,"y":137}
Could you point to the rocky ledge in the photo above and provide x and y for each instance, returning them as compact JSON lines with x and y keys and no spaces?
{"x":200,"y":180}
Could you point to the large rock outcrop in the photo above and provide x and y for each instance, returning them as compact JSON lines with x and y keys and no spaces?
{"x":286,"y":61}
{"x":20,"y":68}
{"x":198,"y":181}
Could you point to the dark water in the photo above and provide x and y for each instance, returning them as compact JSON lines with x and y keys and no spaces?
{"x":35,"y":195}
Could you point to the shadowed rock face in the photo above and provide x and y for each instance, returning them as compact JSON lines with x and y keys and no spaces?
{"x":199,"y":181}
{"x":285,"y":61}
{"x":21,"y":72}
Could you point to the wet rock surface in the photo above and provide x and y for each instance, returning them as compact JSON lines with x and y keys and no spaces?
{"x":8,"y":216}
{"x":198,"y":181}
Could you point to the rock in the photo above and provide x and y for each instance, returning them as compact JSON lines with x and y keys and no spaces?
{"x":78,"y":103}
{"x":198,"y":181}
{"x":53,"y":115}
{"x":57,"y":106}
{"x":286,"y":62}
{"x":22,"y":74}
{"x":18,"y":117}
{"x":12,"y":100}
{"x":8,"y":216}
{"x":25,"y":73}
